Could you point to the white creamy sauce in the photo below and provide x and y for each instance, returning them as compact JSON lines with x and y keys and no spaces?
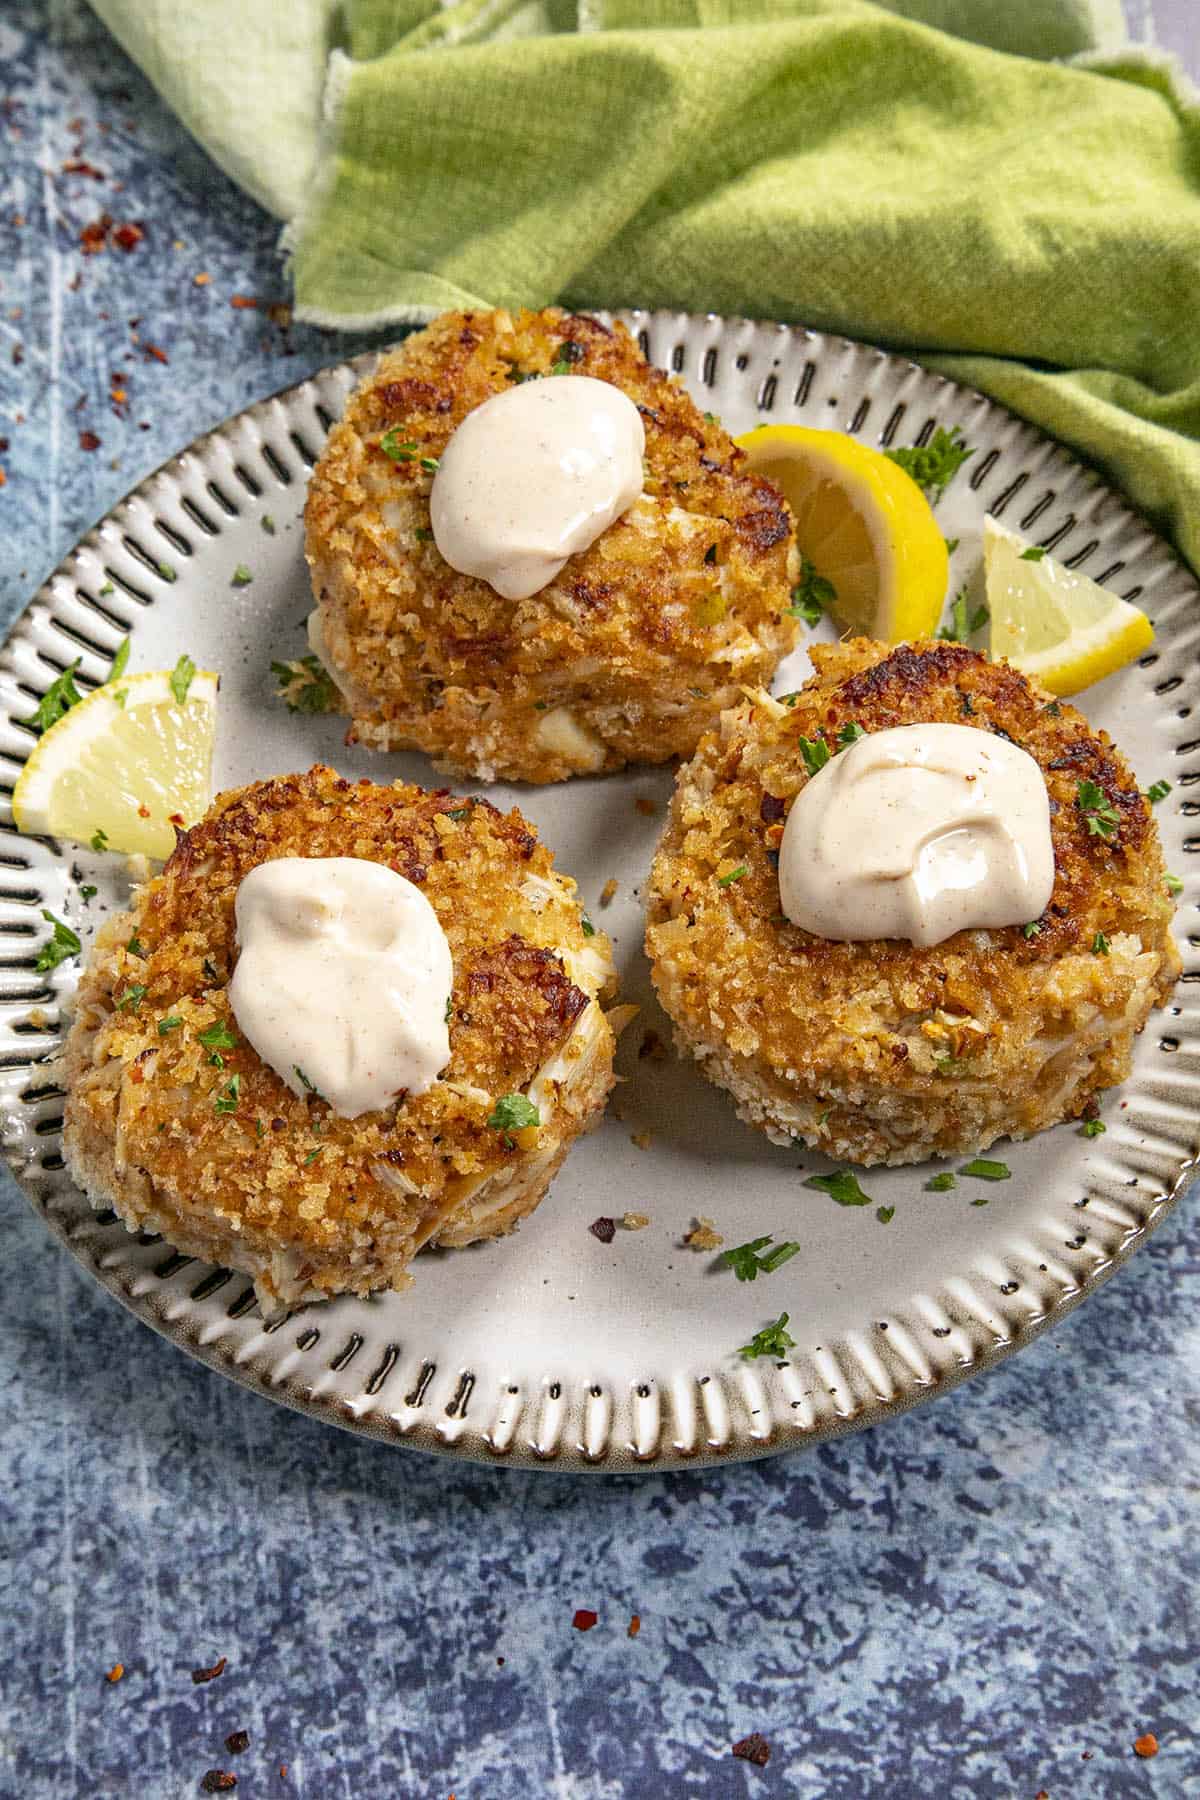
{"x":917,"y":833}
{"x":532,"y":477}
{"x":343,"y":972}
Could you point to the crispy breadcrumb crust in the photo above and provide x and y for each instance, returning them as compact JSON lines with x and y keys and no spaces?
{"x":308,"y":1203}
{"x":880,"y":1051}
{"x":627,"y":656}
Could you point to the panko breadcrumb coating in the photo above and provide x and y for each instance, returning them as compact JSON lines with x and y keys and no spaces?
{"x":217,"y":1154}
{"x":878,"y":1052}
{"x":628,"y":654}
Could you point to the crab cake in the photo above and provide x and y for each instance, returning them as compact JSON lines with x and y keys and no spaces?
{"x":630,"y":651}
{"x":173,"y":1119}
{"x":877,"y":1051}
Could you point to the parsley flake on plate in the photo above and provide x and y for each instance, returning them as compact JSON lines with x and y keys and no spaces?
{"x":963,"y":624}
{"x":773,"y":1340}
{"x":99,"y":839}
{"x":181,"y":677}
{"x":934,"y":465}
{"x":1034,"y":553}
{"x":1158,"y":791}
{"x":305,"y":685}
{"x":1173,"y":884}
{"x":747,"y":1260}
{"x":241,"y":576}
{"x":812,"y":596}
{"x":842,"y":1186}
{"x":59,"y":698}
{"x":62,"y":944}
{"x":885,"y":1214}
{"x":984,"y":1168}
{"x":1092,"y":1128}
{"x":941,"y":1184}
{"x":120,"y":661}
{"x":513,"y":1112}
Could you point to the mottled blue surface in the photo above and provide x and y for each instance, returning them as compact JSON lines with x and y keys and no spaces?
{"x":991,"y":1597}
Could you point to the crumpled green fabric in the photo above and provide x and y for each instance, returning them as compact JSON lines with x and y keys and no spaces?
{"x":924,"y":175}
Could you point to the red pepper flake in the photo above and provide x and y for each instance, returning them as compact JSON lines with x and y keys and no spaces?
{"x":1146,"y":1745}
{"x":202,"y":1675}
{"x":176,"y":819}
{"x":218,"y":1781}
{"x":202,"y":279}
{"x":3,"y":445}
{"x":152,"y":353}
{"x":143,"y":812}
{"x":115,"y":1673}
{"x":18,"y":355}
{"x":88,"y":440}
{"x":75,"y":165}
{"x":237,"y":1741}
{"x":243,"y":302}
{"x":584,"y":1618}
{"x":753,"y":1749}
{"x":604,"y":1229}
{"x":635,"y":1625}
{"x":94,"y":237}
{"x":127,"y":237}
{"x":3,"y":479}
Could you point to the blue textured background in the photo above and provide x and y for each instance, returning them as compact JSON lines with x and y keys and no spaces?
{"x":992,"y":1597}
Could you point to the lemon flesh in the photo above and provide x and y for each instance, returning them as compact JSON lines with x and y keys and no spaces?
{"x":862,"y":524}
{"x":1055,"y":624}
{"x":130,"y":771}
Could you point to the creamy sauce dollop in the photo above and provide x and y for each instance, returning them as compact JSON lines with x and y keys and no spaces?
{"x":343,"y":973}
{"x":919,"y":832}
{"x":532,"y":477}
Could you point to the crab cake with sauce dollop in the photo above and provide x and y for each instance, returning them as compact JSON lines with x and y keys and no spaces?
{"x":881,"y":1050}
{"x":175,"y":1120}
{"x":626,"y":654}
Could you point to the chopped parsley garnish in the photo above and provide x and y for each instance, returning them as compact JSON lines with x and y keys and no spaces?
{"x":748,"y":1262}
{"x":89,"y":892}
{"x":773,"y":1340}
{"x":242,"y":576}
{"x":561,"y":367}
{"x":132,"y":998}
{"x":99,"y":839}
{"x":966,"y":704}
{"x":983,"y":1168}
{"x":120,"y":696}
{"x":962,"y":624}
{"x":589,"y":930}
{"x":885,"y":1214}
{"x":1158,"y":791}
{"x":949,"y":1065}
{"x":934,"y":465}
{"x":305,"y":1083}
{"x":218,"y":1037}
{"x":711,"y":419}
{"x":395,"y":447}
{"x":313,"y":1155}
{"x":1101,"y":815}
{"x":710,"y":555}
{"x":1173,"y":884}
{"x":431,"y":463}
{"x":842,"y":1186}
{"x":812,"y":596}
{"x":815,"y":752}
{"x":171,"y":1024}
{"x":1092,"y":1128}
{"x":849,"y":734}
{"x":120,"y":661}
{"x":951,"y":546}
{"x":135,"y":946}
{"x":166,"y":571}
{"x":571,"y":352}
{"x":1099,"y":944}
{"x":58,"y":699}
{"x":733,"y":875}
{"x":305,"y":686}
{"x":982,"y":1201}
{"x":181,"y":677}
{"x":108,"y":588}
{"x":1033,"y":929}
{"x":941,"y":1184}
{"x":423,"y":534}
{"x":64,"y":943}
{"x":449,"y":1009}
{"x":459,"y":812}
{"x":268,"y":524}
{"x":513,"y":1112}
{"x":1034,"y":553}
{"x":227,"y":1100}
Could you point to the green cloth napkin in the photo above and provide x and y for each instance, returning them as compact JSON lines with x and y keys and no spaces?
{"x":921,"y":174}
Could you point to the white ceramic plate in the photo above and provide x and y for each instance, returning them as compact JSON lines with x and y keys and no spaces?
{"x":549,"y":1345}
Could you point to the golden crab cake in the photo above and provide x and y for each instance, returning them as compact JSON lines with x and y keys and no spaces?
{"x":626,"y":656}
{"x":877,"y":1051}
{"x":174,"y":1120}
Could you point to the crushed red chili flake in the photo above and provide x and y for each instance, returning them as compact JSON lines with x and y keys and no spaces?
{"x":127,"y":237}
{"x":143,"y":812}
{"x":604,"y":1229}
{"x":152,"y":353}
{"x":635,"y":1625}
{"x":283,"y":1769}
{"x":202,"y":1675}
{"x":115,"y":1673}
{"x":237,"y":1741}
{"x":607,"y":893}
{"x":3,"y":445}
{"x":753,"y":1749}
{"x":243,"y":302}
{"x":202,"y":279}
{"x":218,"y":1781}
{"x":75,"y":165}
{"x":94,"y":237}
{"x":88,"y":440}
{"x":3,"y":479}
{"x":18,"y":355}
{"x":1146,"y":1745}
{"x":584,"y":1618}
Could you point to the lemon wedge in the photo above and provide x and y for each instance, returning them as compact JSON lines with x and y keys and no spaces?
{"x":862,"y":525}
{"x":124,"y":766}
{"x":1054,"y":624}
